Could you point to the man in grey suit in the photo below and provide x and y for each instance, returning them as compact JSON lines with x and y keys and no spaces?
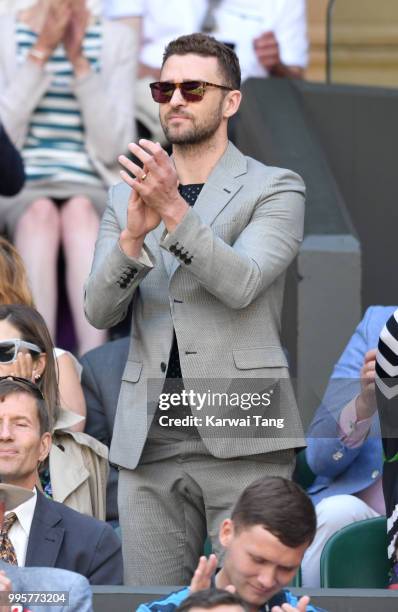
{"x":47,"y":581}
{"x":199,"y":244}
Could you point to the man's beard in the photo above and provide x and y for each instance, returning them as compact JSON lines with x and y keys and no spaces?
{"x":196,"y":134}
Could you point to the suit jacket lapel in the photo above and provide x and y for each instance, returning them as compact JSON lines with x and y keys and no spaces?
{"x":219,"y":189}
{"x":46,"y":534}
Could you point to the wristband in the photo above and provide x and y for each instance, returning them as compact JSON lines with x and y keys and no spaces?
{"x":39,"y":54}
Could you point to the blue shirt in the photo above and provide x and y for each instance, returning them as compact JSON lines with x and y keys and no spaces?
{"x":172,"y":601}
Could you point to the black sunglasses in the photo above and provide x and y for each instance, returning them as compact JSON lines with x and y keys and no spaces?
{"x":24,"y":382}
{"x":191,"y":91}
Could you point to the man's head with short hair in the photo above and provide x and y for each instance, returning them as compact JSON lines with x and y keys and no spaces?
{"x":207,"y":46}
{"x":280,"y":506}
{"x":203,"y":121}
{"x":213,"y":599}
{"x":25,"y":439}
{"x":10,"y":385}
{"x":271,"y":526}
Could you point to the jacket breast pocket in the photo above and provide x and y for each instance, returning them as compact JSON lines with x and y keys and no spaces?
{"x":262,"y":378}
{"x":132,"y":371}
{"x":261,"y":357}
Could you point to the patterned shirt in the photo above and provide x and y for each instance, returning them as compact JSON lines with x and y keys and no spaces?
{"x":190,"y":194}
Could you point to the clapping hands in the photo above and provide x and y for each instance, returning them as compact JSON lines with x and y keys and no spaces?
{"x":65,"y":22}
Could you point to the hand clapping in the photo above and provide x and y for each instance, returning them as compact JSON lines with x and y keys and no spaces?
{"x":156,"y":185}
{"x":55,"y":23}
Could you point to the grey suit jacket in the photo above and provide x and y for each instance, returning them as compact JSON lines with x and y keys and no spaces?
{"x":43,"y":579}
{"x":218,"y":279}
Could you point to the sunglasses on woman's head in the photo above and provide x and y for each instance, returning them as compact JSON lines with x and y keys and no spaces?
{"x":9,"y":349}
{"x":191,"y":91}
{"x":24,"y":382}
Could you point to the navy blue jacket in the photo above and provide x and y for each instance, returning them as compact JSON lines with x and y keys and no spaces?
{"x":61,"y":537}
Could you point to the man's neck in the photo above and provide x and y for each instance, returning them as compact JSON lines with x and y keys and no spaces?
{"x":194,"y":163}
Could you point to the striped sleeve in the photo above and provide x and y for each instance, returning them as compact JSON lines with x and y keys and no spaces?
{"x":387,"y":404}
{"x":387,"y":358}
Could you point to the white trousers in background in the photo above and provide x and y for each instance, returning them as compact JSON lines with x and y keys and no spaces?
{"x":333,"y":513}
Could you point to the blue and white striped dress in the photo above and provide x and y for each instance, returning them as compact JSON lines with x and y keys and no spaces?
{"x":54,"y":150}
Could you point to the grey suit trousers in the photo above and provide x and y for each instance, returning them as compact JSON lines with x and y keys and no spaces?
{"x":177,"y":495}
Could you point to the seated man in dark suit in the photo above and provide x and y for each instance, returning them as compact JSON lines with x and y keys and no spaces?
{"x":73,"y":590}
{"x":42,"y":532}
{"x":101,"y":379}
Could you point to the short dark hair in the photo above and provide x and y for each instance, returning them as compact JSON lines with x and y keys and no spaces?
{"x":207,"y":46}
{"x":211,"y":598}
{"x":8,"y":386}
{"x":280,"y":506}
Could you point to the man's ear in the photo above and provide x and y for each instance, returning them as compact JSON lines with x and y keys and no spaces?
{"x":45,"y":446}
{"x":231,"y":103}
{"x":226,"y":532}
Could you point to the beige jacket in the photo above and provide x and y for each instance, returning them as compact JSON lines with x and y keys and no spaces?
{"x":78,"y":468}
{"x":106,"y":99}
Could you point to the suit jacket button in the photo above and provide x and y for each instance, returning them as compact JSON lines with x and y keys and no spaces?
{"x":163,"y":366}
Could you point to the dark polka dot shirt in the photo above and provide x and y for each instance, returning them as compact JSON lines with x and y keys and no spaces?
{"x":190,"y":194}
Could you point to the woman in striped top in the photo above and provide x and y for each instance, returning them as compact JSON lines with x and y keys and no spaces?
{"x":66,"y":83}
